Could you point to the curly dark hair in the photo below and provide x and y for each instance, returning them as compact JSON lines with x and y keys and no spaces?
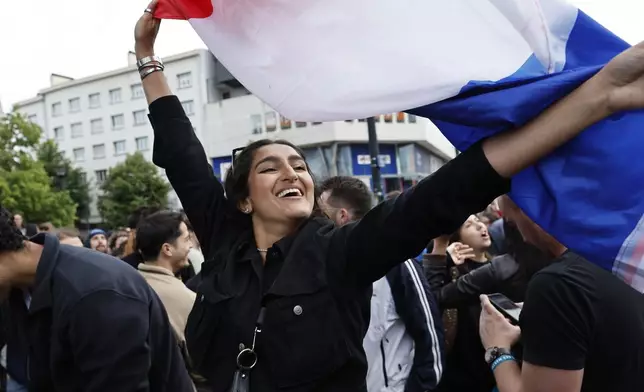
{"x":11,"y":239}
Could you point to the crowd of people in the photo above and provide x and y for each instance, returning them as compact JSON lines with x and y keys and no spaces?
{"x":311,"y":287}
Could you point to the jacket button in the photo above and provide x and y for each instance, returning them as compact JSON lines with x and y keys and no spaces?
{"x":297,"y":310}
{"x":241,"y":346}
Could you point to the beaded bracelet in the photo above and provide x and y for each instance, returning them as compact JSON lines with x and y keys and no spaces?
{"x":501,"y":359}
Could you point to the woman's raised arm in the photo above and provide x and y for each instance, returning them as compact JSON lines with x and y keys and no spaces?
{"x":399,"y":229}
{"x":176,"y":147}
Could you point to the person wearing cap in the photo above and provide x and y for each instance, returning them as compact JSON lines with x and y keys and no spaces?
{"x":97,"y":240}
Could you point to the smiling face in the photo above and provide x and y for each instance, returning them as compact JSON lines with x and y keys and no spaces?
{"x":474,"y":233}
{"x":279,"y":185}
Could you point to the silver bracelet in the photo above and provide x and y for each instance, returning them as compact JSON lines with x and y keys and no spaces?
{"x":149,"y":59}
{"x":150,"y":70}
{"x":152,"y":64}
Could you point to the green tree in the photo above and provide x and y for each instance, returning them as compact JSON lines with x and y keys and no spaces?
{"x":18,"y":138}
{"x":65,"y":177}
{"x":132,"y":184}
{"x":27,"y":191}
{"x":25,"y":186}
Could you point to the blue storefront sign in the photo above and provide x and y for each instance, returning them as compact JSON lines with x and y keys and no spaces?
{"x":220,"y":166}
{"x":361,"y":160}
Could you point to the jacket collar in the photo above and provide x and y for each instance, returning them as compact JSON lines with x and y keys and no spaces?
{"x":41,"y":296}
{"x":155,"y":269}
{"x":247,"y":250}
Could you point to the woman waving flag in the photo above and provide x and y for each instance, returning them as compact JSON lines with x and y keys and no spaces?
{"x":475,"y":68}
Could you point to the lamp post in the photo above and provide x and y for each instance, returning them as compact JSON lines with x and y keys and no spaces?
{"x":61,"y":173}
{"x":374,"y":153}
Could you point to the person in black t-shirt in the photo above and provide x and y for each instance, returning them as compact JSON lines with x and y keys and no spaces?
{"x":582,"y":328}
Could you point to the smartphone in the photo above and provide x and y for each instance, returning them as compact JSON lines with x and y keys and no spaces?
{"x":505,"y":305}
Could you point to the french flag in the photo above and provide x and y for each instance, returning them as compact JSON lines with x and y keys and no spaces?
{"x":473,"y":67}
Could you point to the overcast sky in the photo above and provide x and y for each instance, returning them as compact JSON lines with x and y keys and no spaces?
{"x":78,"y":38}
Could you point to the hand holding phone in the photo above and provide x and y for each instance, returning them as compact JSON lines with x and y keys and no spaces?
{"x":509,"y":309}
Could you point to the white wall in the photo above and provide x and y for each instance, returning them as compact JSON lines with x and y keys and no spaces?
{"x":230,"y":125}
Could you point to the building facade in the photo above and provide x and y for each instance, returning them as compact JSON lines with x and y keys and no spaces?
{"x":410,"y":147}
{"x":98,"y":120}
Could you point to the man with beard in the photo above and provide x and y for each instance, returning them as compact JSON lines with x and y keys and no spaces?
{"x":97,"y":240}
{"x":81,"y":321}
{"x":163,"y":241}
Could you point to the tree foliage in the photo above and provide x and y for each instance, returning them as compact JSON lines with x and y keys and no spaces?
{"x":25,"y":184}
{"x":132,"y":184}
{"x":64,"y":176}
{"x":18,"y":138}
{"x":27,"y":191}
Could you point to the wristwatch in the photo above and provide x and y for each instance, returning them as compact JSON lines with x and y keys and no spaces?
{"x":493,"y":353}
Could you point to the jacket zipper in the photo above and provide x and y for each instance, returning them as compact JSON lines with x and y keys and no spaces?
{"x":384,"y":367}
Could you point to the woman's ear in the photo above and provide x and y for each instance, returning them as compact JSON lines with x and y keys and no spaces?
{"x":245,"y":206}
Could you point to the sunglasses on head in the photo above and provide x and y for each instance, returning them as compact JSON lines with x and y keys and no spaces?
{"x":236,"y":153}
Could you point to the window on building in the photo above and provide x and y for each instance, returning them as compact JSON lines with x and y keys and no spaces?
{"x":139,"y":117}
{"x":137,"y":91}
{"x":256,"y":123}
{"x":96,"y":126}
{"x":271,"y":121}
{"x":119,"y":147}
{"x":32,"y":118}
{"x":79,"y":154}
{"x":411,"y":118}
{"x":95,"y":100}
{"x":142,"y":143}
{"x":56,"y":109}
{"x":316,"y":123}
{"x":77,"y":130}
{"x":184,"y":80}
{"x":59,"y":134}
{"x":400,"y":117}
{"x":388,"y":118}
{"x":83,"y":177}
{"x":115,"y":96}
{"x":118,"y":121}
{"x":300,"y":124}
{"x":98,"y":151}
{"x":101,"y":176}
{"x":188,"y":107}
{"x":74,"y":105}
{"x":285,"y":123}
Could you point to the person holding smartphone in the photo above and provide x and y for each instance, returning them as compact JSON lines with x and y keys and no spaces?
{"x":582,"y":329}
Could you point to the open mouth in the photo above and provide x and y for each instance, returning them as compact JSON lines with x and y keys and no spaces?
{"x":290,"y":192}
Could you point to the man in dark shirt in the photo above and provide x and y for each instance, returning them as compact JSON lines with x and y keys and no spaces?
{"x":582,"y":328}
{"x":83,"y":321}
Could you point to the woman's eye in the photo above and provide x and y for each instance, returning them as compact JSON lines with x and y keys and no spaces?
{"x":268,"y":170}
{"x":301,"y":168}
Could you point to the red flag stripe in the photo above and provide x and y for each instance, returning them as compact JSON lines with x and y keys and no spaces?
{"x":183,"y":9}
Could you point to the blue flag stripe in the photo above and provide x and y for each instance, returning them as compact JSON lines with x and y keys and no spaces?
{"x":587,"y":193}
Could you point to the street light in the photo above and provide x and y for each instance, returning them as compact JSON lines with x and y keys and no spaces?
{"x":375,"y":161}
{"x":61,"y":173}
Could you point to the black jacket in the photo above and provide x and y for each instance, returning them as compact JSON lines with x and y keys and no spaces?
{"x":466,"y":369}
{"x":95,"y":325}
{"x":316,"y":283}
{"x":488,"y":278}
